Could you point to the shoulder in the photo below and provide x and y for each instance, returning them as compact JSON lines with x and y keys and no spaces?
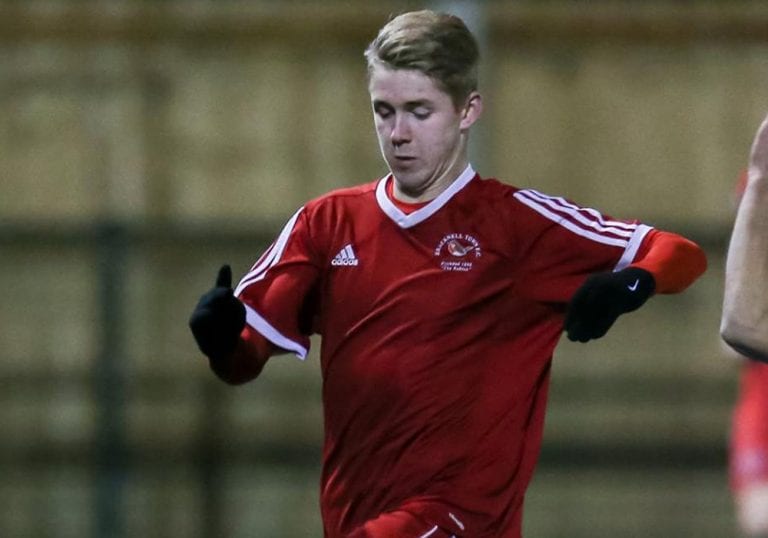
{"x":339,"y":209}
{"x":345,"y":196}
{"x":504,"y":196}
{"x":531,"y":211}
{"x":500,"y":190}
{"x":348,"y":193}
{"x":499,"y":197}
{"x":530,"y":202}
{"x":493,"y":187}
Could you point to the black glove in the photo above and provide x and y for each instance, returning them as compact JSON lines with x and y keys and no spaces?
{"x":218,"y":318}
{"x":604,"y":297}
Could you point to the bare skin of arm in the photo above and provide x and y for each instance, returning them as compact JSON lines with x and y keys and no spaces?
{"x":744,"y":324}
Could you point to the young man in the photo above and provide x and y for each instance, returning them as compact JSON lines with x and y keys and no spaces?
{"x":440,"y":297}
{"x":745,"y":328}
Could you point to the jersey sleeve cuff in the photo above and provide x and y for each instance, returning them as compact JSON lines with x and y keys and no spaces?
{"x":633,"y":246}
{"x":255,"y":320}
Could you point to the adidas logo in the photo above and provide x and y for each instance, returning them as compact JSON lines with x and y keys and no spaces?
{"x":346,"y":256}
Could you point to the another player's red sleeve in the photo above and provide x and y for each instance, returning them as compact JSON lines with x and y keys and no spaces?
{"x":749,"y":434}
{"x":674,"y":261}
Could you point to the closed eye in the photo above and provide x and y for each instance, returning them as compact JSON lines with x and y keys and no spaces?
{"x":422,"y":113}
{"x":382,"y":110}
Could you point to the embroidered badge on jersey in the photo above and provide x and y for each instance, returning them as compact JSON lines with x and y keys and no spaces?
{"x":457,"y":251}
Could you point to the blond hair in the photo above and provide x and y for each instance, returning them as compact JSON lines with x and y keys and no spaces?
{"x":437,"y":44}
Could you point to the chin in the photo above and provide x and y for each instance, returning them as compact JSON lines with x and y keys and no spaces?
{"x":408,"y":179}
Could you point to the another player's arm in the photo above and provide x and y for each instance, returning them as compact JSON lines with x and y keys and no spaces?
{"x":744,"y":324}
{"x":668,"y":263}
{"x":236,"y":353}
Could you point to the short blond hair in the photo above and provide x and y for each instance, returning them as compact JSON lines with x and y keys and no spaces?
{"x":437,"y":44}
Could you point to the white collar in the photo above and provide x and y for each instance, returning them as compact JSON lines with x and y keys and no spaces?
{"x":412,"y":219}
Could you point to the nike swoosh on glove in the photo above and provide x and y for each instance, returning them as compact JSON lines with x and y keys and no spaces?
{"x":603,"y":298}
{"x":219,"y":318}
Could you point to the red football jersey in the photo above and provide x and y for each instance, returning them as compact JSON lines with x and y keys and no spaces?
{"x":749,"y":435}
{"x":438,"y":329}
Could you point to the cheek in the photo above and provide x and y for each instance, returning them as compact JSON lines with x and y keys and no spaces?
{"x":444,"y":137}
{"x":380,"y":136}
{"x":381,"y":131}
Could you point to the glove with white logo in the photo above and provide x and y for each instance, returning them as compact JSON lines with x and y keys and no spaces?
{"x":603,"y":298}
{"x":218,"y":318}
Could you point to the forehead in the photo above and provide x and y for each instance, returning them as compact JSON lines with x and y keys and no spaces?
{"x":403,"y":85}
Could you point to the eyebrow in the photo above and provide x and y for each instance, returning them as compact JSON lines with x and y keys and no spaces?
{"x":408,"y":104}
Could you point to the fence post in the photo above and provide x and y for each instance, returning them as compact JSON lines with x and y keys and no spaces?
{"x":109,"y":381}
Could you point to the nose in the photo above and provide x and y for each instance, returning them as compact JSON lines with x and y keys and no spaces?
{"x":401,"y":132}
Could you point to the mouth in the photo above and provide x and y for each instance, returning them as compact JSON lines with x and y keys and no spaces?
{"x":403,"y":163}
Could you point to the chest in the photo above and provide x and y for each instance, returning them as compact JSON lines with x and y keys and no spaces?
{"x":427,"y":270}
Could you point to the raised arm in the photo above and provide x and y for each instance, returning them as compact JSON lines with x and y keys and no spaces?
{"x":744,"y":324}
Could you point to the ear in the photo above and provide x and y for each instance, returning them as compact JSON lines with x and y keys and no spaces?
{"x":472,"y":110}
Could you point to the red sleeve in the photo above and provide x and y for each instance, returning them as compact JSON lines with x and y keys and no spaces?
{"x":674,"y":261}
{"x":278,"y":291}
{"x":247,"y":361}
{"x":275,"y":295}
{"x":562,"y":243}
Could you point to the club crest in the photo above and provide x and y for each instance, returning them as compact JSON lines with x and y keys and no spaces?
{"x":457,"y":251}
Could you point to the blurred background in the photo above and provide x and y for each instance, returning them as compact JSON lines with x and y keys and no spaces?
{"x":142,"y":144}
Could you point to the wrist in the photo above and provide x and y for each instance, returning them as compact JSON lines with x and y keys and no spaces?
{"x":636,"y":286}
{"x":638,"y":272}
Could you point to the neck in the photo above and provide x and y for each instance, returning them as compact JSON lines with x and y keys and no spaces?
{"x":399,"y":195}
{"x":432,"y":188}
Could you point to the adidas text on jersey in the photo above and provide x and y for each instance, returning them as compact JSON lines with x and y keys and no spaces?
{"x":346,"y":256}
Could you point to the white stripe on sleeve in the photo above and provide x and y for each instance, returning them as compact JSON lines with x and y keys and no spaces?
{"x":585,"y":215}
{"x":634,"y":245}
{"x":255,"y":320}
{"x":271,"y":257}
{"x":574,"y":219}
